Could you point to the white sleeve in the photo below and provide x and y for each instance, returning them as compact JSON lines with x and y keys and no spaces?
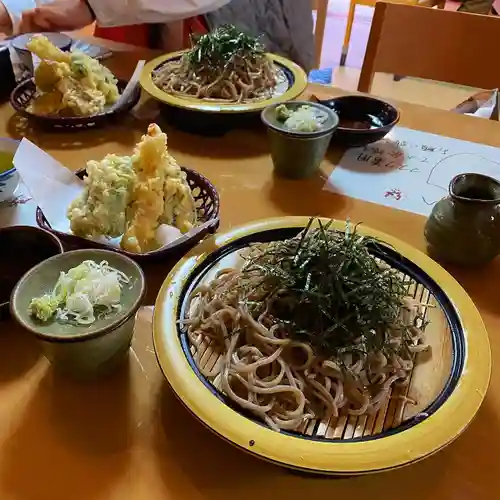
{"x":127,"y":12}
{"x":16,"y":7}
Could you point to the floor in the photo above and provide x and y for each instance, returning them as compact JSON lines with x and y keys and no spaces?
{"x":425,"y":92}
{"x":434,"y":94}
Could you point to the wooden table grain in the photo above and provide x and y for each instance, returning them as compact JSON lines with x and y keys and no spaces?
{"x":127,"y":437}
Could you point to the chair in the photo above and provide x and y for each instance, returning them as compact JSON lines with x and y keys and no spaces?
{"x":321,"y":8}
{"x":432,"y":44}
{"x":369,"y":3}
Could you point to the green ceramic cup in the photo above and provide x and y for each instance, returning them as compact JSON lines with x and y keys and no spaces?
{"x":82,"y":352}
{"x":295,"y":154}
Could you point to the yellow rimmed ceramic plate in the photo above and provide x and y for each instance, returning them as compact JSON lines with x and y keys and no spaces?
{"x":449,"y":387}
{"x":292,"y":82}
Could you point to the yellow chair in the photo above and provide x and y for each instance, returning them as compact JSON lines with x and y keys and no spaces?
{"x":321,"y":8}
{"x":371,"y":3}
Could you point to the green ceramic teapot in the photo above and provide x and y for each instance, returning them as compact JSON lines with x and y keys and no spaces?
{"x":464,"y":228}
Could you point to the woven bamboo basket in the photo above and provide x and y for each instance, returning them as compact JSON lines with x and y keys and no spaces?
{"x":23,"y":94}
{"x":207,"y":205}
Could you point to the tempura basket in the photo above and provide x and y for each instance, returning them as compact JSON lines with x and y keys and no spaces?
{"x":23,"y":94}
{"x":207,"y":203}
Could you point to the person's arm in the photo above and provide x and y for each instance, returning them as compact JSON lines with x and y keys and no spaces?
{"x":10,"y":13}
{"x":5,"y":20}
{"x":126,"y":12}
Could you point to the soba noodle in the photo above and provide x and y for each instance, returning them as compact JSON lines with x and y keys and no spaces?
{"x":280,"y":379}
{"x":223,"y":65}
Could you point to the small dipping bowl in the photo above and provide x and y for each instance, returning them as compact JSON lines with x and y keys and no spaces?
{"x":362,"y":119}
{"x":82,"y":352}
{"x":60,"y":40}
{"x":9,"y":177}
{"x":21,"y":248}
{"x":296,"y":154}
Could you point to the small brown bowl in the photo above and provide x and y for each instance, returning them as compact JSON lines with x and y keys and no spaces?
{"x":22,"y":248}
{"x":363,"y":119}
{"x":23,"y":94}
{"x":207,"y":204}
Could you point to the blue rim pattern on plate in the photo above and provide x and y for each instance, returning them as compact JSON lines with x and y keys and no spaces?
{"x":381,"y":251}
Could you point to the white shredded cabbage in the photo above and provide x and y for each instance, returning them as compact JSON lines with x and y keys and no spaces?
{"x":84,"y":293}
{"x":303,"y":119}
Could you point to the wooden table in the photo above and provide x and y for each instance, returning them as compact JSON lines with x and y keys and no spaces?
{"x":127,"y":437}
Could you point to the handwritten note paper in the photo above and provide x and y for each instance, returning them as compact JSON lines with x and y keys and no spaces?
{"x":410,"y":170}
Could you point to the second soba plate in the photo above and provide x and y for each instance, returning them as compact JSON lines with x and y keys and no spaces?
{"x":445,"y":384}
{"x":292,"y":81}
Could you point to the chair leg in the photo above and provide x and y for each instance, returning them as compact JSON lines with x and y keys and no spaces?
{"x":348,"y":30}
{"x":319,"y":30}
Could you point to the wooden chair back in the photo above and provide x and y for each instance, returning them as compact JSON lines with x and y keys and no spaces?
{"x":321,"y":8}
{"x":434,"y":44}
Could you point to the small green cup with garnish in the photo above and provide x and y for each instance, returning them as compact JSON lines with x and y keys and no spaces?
{"x":81,"y":305}
{"x":299,"y":134}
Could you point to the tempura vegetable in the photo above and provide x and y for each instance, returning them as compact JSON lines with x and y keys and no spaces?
{"x":100,"y":209}
{"x":180,"y":207}
{"x":46,"y":50}
{"x":86,"y":87}
{"x":131,"y":197}
{"x":48,"y":103}
{"x":143,"y":215}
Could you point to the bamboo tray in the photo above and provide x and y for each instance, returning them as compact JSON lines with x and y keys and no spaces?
{"x":448,"y":386}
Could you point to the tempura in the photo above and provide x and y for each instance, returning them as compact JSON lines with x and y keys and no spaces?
{"x":143,"y":214}
{"x":131,"y":197}
{"x":100,"y":209}
{"x":180,"y":207}
{"x":70,"y":83}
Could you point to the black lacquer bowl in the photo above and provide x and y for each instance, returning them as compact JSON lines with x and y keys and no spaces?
{"x":363,"y":119}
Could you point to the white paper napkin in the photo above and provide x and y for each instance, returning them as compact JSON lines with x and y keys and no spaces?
{"x":489,"y":109}
{"x":51,"y":185}
{"x":131,"y":85}
{"x":21,"y":71}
